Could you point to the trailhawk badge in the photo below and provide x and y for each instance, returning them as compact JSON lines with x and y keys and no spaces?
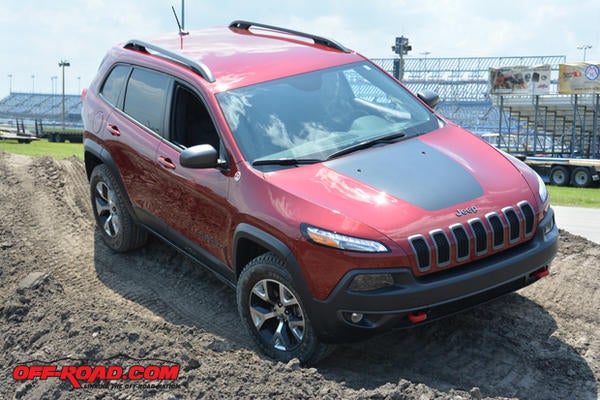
{"x":465,"y":211}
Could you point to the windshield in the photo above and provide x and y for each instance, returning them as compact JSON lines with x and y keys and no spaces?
{"x":312,"y":116}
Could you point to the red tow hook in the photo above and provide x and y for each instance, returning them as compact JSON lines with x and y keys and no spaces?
{"x":540,"y":273}
{"x":417,"y":316}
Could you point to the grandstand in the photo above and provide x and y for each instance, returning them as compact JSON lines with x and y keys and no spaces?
{"x":39,"y":106}
{"x":463,"y":84}
{"x":552,"y":124}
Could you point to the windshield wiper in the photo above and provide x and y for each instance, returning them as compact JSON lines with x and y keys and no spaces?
{"x":286,"y":161}
{"x":366,"y":144}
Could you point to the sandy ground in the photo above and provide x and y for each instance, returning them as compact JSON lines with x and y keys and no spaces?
{"x":90,"y":306}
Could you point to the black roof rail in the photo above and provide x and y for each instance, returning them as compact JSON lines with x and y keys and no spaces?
{"x":246,"y":25}
{"x":196,"y":66}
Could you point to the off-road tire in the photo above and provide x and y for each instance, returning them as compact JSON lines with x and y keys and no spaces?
{"x":261,"y":286}
{"x":116,"y":226}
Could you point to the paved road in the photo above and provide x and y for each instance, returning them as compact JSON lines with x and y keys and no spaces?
{"x":579,"y":221}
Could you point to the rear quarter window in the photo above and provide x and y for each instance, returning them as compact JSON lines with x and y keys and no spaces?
{"x":114,"y":84}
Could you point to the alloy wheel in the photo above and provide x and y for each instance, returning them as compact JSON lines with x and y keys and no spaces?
{"x":277,"y":315}
{"x":106,"y":209}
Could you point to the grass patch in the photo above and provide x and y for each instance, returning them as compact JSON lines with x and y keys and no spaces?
{"x":577,"y":197}
{"x":67,"y":130}
{"x":43,"y":148}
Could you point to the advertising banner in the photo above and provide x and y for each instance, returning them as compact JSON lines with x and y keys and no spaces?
{"x":520,"y":80}
{"x":581,"y":77}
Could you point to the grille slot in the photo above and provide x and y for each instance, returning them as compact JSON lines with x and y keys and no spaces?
{"x":442,"y":247}
{"x":461,"y":239}
{"x":514,"y":224}
{"x":497,"y":230}
{"x":529,"y":217}
{"x":422,"y":251}
{"x":481,"y":236}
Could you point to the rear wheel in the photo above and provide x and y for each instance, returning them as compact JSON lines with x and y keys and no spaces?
{"x":117,"y":228}
{"x":582,"y":177}
{"x":559,"y":176}
{"x":273,"y":312}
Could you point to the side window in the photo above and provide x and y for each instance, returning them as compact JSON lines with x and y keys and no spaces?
{"x":146,"y":97}
{"x":191,"y":123}
{"x":114,"y":84}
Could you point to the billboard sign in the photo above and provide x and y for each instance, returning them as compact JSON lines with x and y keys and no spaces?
{"x":520,"y":80}
{"x":581,"y":77}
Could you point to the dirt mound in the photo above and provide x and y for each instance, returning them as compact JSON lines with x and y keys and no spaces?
{"x":64,"y":296}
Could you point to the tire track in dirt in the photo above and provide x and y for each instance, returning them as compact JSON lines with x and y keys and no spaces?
{"x":170,"y":285}
{"x":64,"y":225}
{"x":145,"y":277}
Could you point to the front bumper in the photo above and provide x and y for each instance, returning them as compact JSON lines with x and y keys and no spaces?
{"x":437,"y":295}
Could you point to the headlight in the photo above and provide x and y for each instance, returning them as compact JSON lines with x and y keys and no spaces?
{"x":342,"y":242}
{"x":542,"y":191}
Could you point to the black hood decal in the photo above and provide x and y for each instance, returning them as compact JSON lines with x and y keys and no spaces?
{"x":414,"y":172}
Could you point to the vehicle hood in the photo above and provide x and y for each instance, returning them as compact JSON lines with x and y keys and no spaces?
{"x":412,"y":186}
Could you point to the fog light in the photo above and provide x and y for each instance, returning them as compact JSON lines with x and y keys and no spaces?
{"x":356,"y":317}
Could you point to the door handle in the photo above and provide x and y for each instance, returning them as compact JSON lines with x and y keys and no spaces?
{"x":166,"y":162}
{"x":113,"y":129}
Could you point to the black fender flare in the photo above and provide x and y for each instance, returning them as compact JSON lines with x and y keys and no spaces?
{"x":277,"y":247}
{"x":260,"y":237}
{"x":97,"y":150}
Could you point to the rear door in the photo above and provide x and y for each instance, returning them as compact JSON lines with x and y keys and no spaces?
{"x":134,"y":133}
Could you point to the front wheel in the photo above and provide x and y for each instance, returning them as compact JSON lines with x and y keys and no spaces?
{"x":273,"y":312}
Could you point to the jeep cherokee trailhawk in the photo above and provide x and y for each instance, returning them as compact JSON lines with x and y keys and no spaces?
{"x":337,"y":203}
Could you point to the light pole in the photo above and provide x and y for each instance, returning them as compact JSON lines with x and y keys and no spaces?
{"x":32,"y":83}
{"x":10,"y":83}
{"x":585,"y":48}
{"x":401,"y":47}
{"x":62,"y":64}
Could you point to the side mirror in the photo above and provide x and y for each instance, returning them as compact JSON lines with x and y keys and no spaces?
{"x":430,"y":98}
{"x":200,"y":156}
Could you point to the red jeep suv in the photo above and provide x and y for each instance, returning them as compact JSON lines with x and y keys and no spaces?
{"x":336,"y":203}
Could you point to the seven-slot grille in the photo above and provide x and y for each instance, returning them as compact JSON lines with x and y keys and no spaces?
{"x":476,"y":237}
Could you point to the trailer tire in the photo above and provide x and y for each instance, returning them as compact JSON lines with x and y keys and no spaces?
{"x":559,"y":176}
{"x":582,"y":177}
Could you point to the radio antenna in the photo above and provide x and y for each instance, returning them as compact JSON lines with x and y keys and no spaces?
{"x":181,"y":25}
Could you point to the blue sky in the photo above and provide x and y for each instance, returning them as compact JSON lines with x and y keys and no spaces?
{"x":36,"y":34}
